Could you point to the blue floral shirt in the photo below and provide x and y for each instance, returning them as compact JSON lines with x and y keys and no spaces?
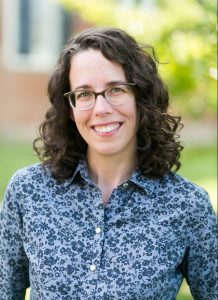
{"x":61,"y":241}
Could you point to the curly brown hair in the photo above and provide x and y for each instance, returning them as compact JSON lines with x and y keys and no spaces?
{"x":158,"y":146}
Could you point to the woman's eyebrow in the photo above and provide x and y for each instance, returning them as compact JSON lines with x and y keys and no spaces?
{"x":114,"y":82}
{"x":108,"y":84}
{"x":83,"y":87}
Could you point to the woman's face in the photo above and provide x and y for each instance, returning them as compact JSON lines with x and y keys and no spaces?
{"x":108,"y":130}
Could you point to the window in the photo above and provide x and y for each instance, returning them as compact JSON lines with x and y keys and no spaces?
{"x":34,"y":32}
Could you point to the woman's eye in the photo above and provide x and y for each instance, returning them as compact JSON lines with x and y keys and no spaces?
{"x":84,"y":94}
{"x":116,"y":90}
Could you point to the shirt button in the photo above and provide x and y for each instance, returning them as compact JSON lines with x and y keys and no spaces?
{"x":92,"y":267}
{"x":125,"y":185}
{"x":98,"y":230}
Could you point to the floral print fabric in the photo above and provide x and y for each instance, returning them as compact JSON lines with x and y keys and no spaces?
{"x":61,"y":241}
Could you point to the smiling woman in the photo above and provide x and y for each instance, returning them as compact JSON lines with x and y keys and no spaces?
{"x":105,"y":216}
{"x":110,"y":127}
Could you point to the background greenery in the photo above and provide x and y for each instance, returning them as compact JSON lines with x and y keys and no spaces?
{"x":183,"y":34}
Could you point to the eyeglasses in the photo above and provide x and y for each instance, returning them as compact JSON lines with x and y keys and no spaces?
{"x":115,"y":95}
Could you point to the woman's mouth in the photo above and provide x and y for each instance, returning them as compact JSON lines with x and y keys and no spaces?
{"x":106,"y":128}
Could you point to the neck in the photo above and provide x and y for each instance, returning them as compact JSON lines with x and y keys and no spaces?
{"x":107,"y":171}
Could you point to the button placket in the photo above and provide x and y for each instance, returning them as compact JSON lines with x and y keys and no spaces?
{"x":97,"y":237}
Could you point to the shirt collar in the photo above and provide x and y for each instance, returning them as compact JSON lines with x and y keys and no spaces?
{"x":81,"y":170}
{"x":147,"y":184}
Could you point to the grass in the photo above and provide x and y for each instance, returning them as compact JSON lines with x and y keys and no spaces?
{"x":13,"y":156}
{"x":198,"y":164}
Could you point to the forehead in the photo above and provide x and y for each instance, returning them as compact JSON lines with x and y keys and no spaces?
{"x":91,"y":67}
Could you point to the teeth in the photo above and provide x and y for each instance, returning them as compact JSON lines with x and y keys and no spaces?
{"x":108,"y":128}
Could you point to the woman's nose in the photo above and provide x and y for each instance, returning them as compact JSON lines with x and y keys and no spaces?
{"x":102,"y":106}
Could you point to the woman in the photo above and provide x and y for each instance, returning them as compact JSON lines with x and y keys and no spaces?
{"x":104,"y":216}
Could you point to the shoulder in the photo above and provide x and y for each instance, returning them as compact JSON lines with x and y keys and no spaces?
{"x":29,"y":178}
{"x":29,"y":173}
{"x":29,"y":186}
{"x":187,"y":194}
{"x":181,"y":185}
{"x":171,"y":186}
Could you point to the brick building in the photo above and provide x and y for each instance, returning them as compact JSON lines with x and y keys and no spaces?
{"x":32,"y":33}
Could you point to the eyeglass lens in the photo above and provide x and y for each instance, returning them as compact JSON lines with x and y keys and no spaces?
{"x":115,"y":95}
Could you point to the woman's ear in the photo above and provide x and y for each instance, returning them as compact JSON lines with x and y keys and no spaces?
{"x":71,"y":114}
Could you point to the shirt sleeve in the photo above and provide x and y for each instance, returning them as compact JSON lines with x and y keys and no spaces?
{"x":200,"y":264}
{"x":14,"y":277}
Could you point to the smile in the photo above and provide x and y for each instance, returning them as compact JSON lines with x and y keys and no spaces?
{"x":107,"y":128}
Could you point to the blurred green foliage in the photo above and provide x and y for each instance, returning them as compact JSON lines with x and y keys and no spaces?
{"x":183,"y":34}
